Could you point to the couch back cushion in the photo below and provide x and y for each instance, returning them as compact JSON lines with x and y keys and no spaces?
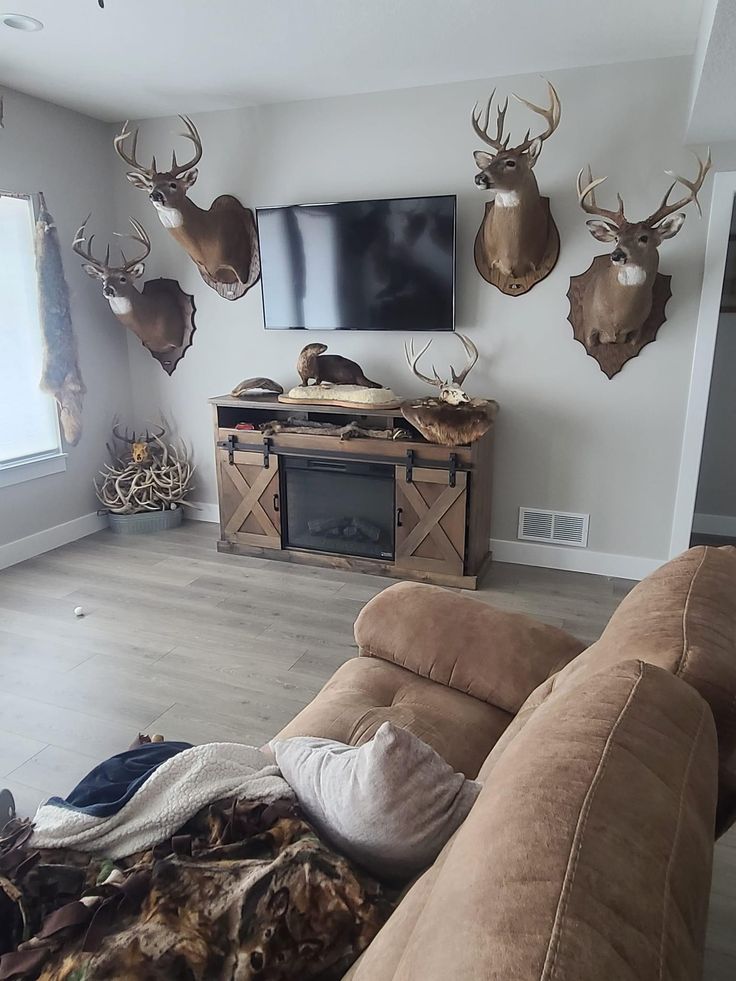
{"x":681,"y":618}
{"x":587,"y":855}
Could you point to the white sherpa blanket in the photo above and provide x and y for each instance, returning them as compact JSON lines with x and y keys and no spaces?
{"x":169,"y":797}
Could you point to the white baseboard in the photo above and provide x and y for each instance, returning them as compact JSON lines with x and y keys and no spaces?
{"x":715,"y":524}
{"x":203,"y":511}
{"x":574,"y":559}
{"x":44,"y":541}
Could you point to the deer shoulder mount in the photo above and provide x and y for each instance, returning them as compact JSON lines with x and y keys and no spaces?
{"x":161,"y":317}
{"x":222,"y":240}
{"x":618,"y":305}
{"x":517,"y":244}
{"x":452,"y":418}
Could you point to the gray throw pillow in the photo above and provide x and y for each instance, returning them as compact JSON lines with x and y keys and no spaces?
{"x":390,"y":804}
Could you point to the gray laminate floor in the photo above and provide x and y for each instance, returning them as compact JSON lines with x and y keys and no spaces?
{"x":199,"y":646}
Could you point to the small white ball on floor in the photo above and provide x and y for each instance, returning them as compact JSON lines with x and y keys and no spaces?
{"x":78,"y":611}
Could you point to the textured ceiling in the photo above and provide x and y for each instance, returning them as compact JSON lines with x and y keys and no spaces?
{"x":155,"y":57}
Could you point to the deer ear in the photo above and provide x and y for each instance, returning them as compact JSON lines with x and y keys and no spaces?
{"x":190,"y":177}
{"x":483,"y":159}
{"x":534,"y":150}
{"x":93,"y":271}
{"x":601,"y":230}
{"x":136,"y":271}
{"x":669,"y":227}
{"x":137,"y":180}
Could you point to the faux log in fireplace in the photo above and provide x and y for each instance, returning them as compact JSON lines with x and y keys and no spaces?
{"x":404,"y":508}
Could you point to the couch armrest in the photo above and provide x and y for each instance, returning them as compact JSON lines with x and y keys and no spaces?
{"x":491,"y":654}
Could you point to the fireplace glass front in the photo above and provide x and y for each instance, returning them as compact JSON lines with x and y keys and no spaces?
{"x":339,"y":506}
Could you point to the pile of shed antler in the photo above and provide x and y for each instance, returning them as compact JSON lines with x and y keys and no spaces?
{"x":151,"y":476}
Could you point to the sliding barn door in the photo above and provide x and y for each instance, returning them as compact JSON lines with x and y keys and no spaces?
{"x":430,"y":521}
{"x":249,"y":499}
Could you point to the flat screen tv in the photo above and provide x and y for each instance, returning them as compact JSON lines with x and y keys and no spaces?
{"x":359,"y":265}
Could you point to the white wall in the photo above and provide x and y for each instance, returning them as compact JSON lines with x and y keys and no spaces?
{"x":567,"y":437}
{"x":68,"y":156}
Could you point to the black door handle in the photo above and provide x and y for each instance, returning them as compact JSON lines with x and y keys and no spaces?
{"x":399,"y":513}
{"x":275,"y":502}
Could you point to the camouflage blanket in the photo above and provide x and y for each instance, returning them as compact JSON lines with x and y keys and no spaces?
{"x":244,"y":891}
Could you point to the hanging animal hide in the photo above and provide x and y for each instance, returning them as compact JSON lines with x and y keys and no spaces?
{"x":61,"y":376}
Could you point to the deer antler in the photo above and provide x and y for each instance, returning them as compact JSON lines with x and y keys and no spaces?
{"x":472,"y":351}
{"x":665,"y":209}
{"x":130,"y":158}
{"x":140,"y":235}
{"x":552,"y":114}
{"x":191,"y":134}
{"x":83,"y":247}
{"x":481,"y":131}
{"x":412,"y":360}
{"x":591,"y":207}
{"x":149,"y":172}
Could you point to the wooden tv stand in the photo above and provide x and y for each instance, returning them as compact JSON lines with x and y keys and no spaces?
{"x":439,"y":525}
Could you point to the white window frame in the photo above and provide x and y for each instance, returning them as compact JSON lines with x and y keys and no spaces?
{"x":38,"y":464}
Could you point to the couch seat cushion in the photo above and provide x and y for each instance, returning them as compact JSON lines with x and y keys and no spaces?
{"x":366,"y":692}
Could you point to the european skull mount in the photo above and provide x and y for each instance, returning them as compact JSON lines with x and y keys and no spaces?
{"x":453,"y":418}
{"x":161,"y":317}
{"x":517,"y":244}
{"x":618,"y":304}
{"x":222,"y":240}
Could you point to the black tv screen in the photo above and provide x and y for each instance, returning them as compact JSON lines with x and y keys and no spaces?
{"x":359,"y":265}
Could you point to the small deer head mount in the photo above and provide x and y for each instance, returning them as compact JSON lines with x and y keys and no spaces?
{"x":222,"y":240}
{"x":451,"y":391}
{"x":517,"y":243}
{"x":617,"y":306}
{"x":162,"y":316}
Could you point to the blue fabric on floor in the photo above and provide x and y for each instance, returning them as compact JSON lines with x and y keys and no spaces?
{"x":111,"y":784}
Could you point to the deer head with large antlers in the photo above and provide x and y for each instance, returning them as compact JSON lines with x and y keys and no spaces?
{"x":517,"y":243}
{"x":221,"y":240}
{"x":161,"y":316}
{"x":613,"y":302}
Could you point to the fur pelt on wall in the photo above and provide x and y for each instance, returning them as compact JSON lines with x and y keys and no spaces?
{"x":61,"y":376}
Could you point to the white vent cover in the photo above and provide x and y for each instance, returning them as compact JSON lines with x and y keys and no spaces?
{"x":554,"y":527}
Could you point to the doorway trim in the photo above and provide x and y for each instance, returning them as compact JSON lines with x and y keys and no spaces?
{"x":719,"y":224}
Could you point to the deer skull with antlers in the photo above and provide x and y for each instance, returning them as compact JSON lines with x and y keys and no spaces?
{"x":517,"y":243}
{"x":221,"y":240}
{"x":453,"y":418}
{"x":451,"y":391}
{"x":161,"y":316}
{"x":612,"y":303}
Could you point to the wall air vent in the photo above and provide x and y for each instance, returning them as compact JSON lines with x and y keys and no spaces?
{"x":553,"y":527}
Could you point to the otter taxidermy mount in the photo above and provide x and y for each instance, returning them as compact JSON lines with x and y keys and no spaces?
{"x":314,"y":363}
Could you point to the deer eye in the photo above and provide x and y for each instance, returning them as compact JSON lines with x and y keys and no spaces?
{"x":510,"y":163}
{"x":123,"y":279}
{"x":172,"y":185}
{"x":643,"y":239}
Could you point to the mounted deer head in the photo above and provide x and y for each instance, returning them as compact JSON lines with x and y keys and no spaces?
{"x":517,"y":243}
{"x":451,"y":392}
{"x":160,"y":316}
{"x":222,"y":240}
{"x":616,"y":295}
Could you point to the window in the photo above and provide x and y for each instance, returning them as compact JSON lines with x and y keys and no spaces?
{"x":29,"y":425}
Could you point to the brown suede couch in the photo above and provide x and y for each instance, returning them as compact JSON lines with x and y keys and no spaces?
{"x":606,"y":772}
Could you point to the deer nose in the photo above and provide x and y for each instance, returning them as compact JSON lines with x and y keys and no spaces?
{"x":108,"y":291}
{"x":618,"y":255}
{"x":482,"y":180}
{"x":157,"y":196}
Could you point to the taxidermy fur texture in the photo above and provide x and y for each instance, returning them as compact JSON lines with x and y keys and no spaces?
{"x":314,"y":363}
{"x":61,"y":376}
